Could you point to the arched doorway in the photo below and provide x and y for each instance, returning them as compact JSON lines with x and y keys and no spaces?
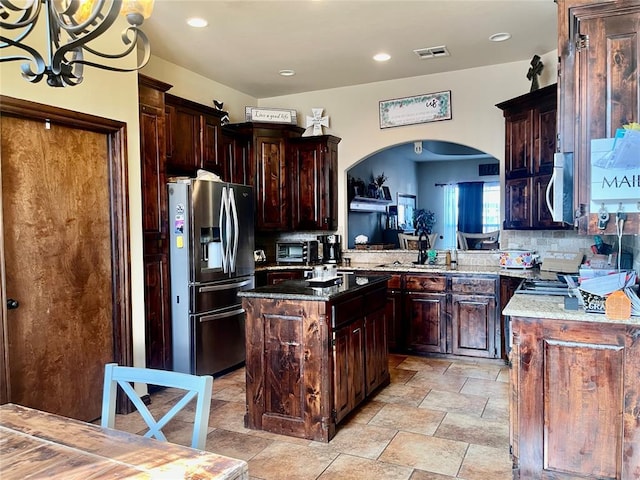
{"x":430,"y":170}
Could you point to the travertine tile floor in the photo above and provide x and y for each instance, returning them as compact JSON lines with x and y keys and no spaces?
{"x":439,"y":419}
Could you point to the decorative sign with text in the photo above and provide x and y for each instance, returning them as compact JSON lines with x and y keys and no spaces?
{"x":271,"y":115}
{"x":431,"y":107}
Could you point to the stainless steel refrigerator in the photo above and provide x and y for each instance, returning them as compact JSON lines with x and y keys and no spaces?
{"x":211,"y":259}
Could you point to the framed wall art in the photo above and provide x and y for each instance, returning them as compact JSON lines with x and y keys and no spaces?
{"x":431,"y":107}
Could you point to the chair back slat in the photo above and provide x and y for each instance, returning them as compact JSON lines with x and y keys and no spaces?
{"x":196,"y":387}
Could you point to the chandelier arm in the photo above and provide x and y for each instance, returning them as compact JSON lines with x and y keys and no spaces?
{"x":79,"y":41}
{"x":102,"y":21}
{"x":125,"y":39}
{"x":66,"y":40}
{"x":146,"y":50}
{"x":35,"y":58}
{"x":28,"y":18}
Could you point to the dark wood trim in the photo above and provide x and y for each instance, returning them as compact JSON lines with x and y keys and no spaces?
{"x":119,"y":206}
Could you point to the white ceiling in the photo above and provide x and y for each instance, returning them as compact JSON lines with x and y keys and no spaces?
{"x":329,"y":43}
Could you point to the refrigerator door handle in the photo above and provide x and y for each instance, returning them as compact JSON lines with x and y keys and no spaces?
{"x":224,"y":227}
{"x":225,"y":286}
{"x":236,"y":232}
{"x":217,"y":316}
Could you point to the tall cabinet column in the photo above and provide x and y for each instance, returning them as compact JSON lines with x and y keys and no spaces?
{"x":154,"y":222}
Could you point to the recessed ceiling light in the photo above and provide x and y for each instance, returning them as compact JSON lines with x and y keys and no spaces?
{"x":197,"y":22}
{"x":381,"y":57}
{"x":500,"y":37}
{"x":287,"y":73}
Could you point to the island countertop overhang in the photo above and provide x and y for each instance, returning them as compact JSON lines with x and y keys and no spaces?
{"x":306,"y":291}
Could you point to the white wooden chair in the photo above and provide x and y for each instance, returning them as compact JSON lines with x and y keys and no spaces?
{"x":198,"y":387}
{"x":410,"y":242}
{"x":479,"y":241}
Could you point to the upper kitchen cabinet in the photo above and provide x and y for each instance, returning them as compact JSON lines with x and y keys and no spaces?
{"x":155,"y":248}
{"x":314,"y":181}
{"x":530,"y":143}
{"x":235,"y":152}
{"x":599,"y":49}
{"x":193,"y":136}
{"x":270,"y":176}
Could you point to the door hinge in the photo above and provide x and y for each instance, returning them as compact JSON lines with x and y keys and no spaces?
{"x":582,"y":42}
{"x":334,"y":415}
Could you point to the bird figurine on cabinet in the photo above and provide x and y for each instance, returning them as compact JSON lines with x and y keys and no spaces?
{"x":219,"y":106}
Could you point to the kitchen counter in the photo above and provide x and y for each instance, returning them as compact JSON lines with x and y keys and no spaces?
{"x":412,"y":268}
{"x":552,"y":307}
{"x":307,"y":290}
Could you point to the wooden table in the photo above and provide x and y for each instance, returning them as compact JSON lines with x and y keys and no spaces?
{"x":35,"y":444}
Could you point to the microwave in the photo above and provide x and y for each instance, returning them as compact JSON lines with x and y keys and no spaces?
{"x":301,"y":252}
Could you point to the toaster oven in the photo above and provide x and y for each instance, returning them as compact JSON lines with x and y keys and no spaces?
{"x":301,"y":252}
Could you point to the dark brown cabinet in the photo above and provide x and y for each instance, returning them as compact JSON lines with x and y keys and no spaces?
{"x":269,"y":171}
{"x":475,"y":330}
{"x":310,"y":363}
{"x":348,"y":359}
{"x":530,"y":143}
{"x":452,"y":314}
{"x":193,"y":137}
{"x":425,"y":302}
{"x":154,"y":223}
{"x":575,"y":399}
{"x":598,"y":80}
{"x":314,"y":179}
{"x":393,"y":313}
{"x":235,"y":153}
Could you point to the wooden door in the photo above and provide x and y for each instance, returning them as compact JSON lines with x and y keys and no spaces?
{"x":473,"y":325}
{"x":271,"y":184}
{"x":519,"y":128}
{"x":517,"y":203}
{"x":64,"y":258}
{"x":426,"y":314}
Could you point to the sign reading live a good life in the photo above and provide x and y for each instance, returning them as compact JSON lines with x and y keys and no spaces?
{"x":271,"y":115}
{"x":431,"y":107}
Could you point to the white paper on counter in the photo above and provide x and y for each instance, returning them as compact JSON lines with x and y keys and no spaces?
{"x":606,"y":284}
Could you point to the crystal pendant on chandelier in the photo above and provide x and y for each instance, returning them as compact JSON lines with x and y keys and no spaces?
{"x":70,"y":26}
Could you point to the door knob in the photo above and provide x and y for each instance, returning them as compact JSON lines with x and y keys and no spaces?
{"x":12,"y":304}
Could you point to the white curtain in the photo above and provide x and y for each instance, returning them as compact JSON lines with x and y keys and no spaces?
{"x":450,"y":223}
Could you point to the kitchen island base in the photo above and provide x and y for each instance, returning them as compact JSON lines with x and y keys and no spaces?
{"x":312,"y":361}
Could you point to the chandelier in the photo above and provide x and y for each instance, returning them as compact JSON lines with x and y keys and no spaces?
{"x":70,"y":26}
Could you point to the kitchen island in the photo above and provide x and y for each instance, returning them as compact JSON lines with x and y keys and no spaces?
{"x":575,"y":392}
{"x":314,"y":352}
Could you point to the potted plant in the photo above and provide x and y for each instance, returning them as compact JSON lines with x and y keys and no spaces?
{"x":424,"y":220}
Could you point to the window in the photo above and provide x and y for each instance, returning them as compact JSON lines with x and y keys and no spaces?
{"x":490,"y":206}
{"x":490,"y":211}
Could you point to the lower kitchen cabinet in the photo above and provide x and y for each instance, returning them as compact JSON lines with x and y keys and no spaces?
{"x":349,"y":361}
{"x":454,"y":314}
{"x":393,"y":313}
{"x":426,"y":322}
{"x":575,"y":399}
{"x":475,"y":330}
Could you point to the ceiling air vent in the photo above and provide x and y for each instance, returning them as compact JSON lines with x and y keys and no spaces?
{"x":432,"y":52}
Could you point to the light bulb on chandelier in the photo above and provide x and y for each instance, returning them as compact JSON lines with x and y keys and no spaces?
{"x":70,"y":26}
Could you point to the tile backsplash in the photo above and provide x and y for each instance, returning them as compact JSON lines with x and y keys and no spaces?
{"x":542,"y":241}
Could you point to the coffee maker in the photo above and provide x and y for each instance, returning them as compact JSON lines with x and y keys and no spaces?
{"x":331,"y":249}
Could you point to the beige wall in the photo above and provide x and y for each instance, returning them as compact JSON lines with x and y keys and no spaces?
{"x":197,"y":88}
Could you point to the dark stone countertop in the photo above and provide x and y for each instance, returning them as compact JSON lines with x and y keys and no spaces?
{"x":308,"y":290}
